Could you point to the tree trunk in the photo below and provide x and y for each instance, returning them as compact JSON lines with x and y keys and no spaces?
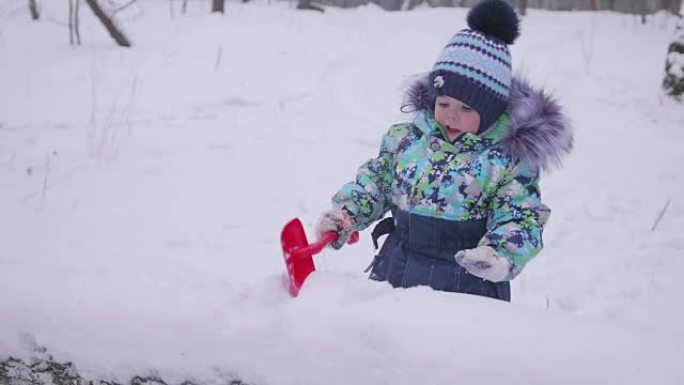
{"x":523,"y":7}
{"x":411,"y":4}
{"x":217,"y":6}
{"x":674,"y":6}
{"x":107,"y":21}
{"x":34,"y":10}
{"x":673,"y":83}
{"x":639,"y":7}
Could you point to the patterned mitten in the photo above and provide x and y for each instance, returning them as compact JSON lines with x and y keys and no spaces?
{"x":484,"y":262}
{"x":339,"y":221}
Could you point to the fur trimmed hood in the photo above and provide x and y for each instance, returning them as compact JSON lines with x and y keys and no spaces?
{"x":539,"y":133}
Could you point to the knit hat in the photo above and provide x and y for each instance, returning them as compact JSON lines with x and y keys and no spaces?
{"x":475,"y":66}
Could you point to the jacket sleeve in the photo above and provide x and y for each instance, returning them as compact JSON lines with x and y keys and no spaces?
{"x":516,"y":218}
{"x":368,"y":197}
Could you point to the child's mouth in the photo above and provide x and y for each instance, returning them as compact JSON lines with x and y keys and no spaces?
{"x":452,"y":130}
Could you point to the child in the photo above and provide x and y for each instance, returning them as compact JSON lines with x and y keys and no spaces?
{"x":461,"y":180}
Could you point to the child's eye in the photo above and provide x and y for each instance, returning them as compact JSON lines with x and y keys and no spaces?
{"x":443,"y":105}
{"x":467,"y":108}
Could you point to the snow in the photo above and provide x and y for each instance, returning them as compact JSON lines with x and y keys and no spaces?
{"x":144,"y":189}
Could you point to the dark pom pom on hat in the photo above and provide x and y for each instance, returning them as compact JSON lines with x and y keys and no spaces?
{"x":495,"y":18}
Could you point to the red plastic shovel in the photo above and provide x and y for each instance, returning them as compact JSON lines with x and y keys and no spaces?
{"x":299,"y":254}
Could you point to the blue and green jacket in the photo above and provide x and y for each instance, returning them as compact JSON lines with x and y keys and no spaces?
{"x":479,"y":190}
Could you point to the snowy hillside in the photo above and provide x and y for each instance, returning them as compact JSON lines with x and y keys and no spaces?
{"x":143,"y":190}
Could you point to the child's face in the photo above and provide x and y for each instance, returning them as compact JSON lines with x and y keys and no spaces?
{"x":456,"y":117}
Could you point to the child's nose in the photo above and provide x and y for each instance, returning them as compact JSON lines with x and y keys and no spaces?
{"x":454,"y":117}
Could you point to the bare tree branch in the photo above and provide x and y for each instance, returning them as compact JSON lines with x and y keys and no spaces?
{"x":121,"y":8}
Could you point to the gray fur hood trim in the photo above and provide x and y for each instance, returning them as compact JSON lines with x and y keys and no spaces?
{"x":539,"y":134}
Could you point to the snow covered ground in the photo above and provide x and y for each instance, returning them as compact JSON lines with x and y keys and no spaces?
{"x":143,"y":190}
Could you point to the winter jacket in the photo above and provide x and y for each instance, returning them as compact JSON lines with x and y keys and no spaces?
{"x":480,"y":190}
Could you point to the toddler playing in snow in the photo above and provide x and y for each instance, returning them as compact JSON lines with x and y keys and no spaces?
{"x":461,"y":180}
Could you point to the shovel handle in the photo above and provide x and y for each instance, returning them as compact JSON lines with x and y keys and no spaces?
{"x":325,"y":240}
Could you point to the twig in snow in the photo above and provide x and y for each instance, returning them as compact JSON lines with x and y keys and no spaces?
{"x":45,"y":181}
{"x":93,"y":90}
{"x":218,"y":58}
{"x":129,"y":105}
{"x":587,"y":46}
{"x":667,"y":204}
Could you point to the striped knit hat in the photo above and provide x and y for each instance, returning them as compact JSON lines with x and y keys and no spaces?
{"x":475,"y":66}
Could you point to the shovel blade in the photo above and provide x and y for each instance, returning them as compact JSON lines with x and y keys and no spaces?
{"x":298,"y":260}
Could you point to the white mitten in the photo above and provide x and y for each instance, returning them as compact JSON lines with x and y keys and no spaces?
{"x":339,"y":221}
{"x":485,"y":263}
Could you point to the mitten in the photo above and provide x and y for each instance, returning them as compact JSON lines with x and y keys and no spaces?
{"x":484,"y":262}
{"x":339,"y":221}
